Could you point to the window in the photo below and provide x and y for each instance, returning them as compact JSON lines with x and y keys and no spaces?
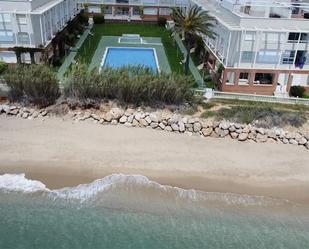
{"x":6,"y":36}
{"x":271,"y":37}
{"x":263,"y":78}
{"x":23,"y":38}
{"x":243,"y":78}
{"x":108,"y":10}
{"x":304,"y":37}
{"x":21,"y":19}
{"x":268,"y":57}
{"x":136,"y":11}
{"x":247,"y":56}
{"x":288,"y":57}
{"x":5,"y":18}
{"x":230,"y":78}
{"x":250,"y":36}
{"x":293,"y":37}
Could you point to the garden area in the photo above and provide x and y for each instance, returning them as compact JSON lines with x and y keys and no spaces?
{"x":89,"y":47}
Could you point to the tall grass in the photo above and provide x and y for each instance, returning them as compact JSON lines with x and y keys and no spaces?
{"x":135,"y":85}
{"x":36,"y":84}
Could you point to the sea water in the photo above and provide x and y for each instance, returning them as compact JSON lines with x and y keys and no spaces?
{"x":130,"y":211}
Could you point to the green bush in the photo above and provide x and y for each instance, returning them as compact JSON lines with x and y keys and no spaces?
{"x":98,"y":19}
{"x":135,"y":85}
{"x":36,"y":84}
{"x":162,"y":21}
{"x":297,"y":91}
{"x":3,"y":67}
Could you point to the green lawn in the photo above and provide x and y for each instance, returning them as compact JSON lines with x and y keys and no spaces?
{"x":87,"y":51}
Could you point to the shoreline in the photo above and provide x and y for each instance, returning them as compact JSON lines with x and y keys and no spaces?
{"x":61,"y":153}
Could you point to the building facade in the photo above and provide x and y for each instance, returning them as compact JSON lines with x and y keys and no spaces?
{"x":32,"y":24}
{"x":263,"y":45}
{"x":133,"y":10}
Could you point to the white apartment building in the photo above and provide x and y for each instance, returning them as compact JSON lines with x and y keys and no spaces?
{"x":32,"y":24}
{"x":134,"y":10}
{"x":262,"y":44}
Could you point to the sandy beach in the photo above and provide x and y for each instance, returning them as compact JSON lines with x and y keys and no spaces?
{"x":63,"y":153}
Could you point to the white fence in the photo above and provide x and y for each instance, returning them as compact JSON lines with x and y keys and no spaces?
{"x":209,"y":94}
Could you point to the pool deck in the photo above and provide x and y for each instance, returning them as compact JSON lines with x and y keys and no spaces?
{"x":148,"y":42}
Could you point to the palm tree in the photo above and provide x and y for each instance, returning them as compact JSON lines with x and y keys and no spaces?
{"x":194,"y":23}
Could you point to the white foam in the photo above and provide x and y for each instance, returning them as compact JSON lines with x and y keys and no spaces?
{"x":18,"y":182}
{"x":84,"y":192}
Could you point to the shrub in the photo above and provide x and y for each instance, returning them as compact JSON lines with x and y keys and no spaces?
{"x":162,"y":21}
{"x":135,"y":85}
{"x":3,"y":67}
{"x":35,"y":83}
{"x":98,"y":19}
{"x":297,"y":91}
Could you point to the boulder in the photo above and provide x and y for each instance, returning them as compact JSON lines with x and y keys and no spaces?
{"x":116,"y":112}
{"x":261,"y":131}
{"x":232,"y":128}
{"x":123,"y":119}
{"x":243,"y":136}
{"x":108,"y":117}
{"x":234,"y":135}
{"x":223,"y":133}
{"x":25,"y":115}
{"x":285,"y":141}
{"x":181,"y":126}
{"x":94,"y":116}
{"x":148,"y":119}
{"x":154,"y":125}
{"x":153,"y":117}
{"x":114,"y":122}
{"x":197,"y":127}
{"x":14,"y":112}
{"x":129,"y":112}
{"x":175,"y":127}
{"x":143,"y":122}
{"x":260,"y":138}
{"x":138,"y":116}
{"x":224,"y":125}
{"x":162,"y":126}
{"x":168,"y":128}
{"x":130,"y":119}
{"x":135,"y":123}
{"x":307,"y":145}
{"x":293,"y":141}
{"x":302,"y":141}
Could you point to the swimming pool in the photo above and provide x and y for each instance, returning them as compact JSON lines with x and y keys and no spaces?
{"x":119,"y":57}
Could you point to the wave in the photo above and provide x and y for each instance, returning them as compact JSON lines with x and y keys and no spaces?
{"x":136,"y":186}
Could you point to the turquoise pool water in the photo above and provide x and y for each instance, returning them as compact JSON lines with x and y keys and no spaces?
{"x":119,"y":57}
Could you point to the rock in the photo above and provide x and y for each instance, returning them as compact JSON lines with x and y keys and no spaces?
{"x":189,"y":125}
{"x":252,"y":136}
{"x":293,"y":141}
{"x":130,"y":118}
{"x":135,"y":123}
{"x":114,"y":122}
{"x":108,"y":117}
{"x":154,"y":125}
{"x":214,"y":134}
{"x":271,"y":134}
{"x":261,"y":131}
{"x":197,"y":127}
{"x":307,"y":145}
{"x":116,"y":112}
{"x":123,"y":119}
{"x":224,"y":126}
{"x":128,"y":124}
{"x":243,"y":136}
{"x":14,"y":112}
{"x":302,"y":141}
{"x":162,"y":126}
{"x":35,"y":114}
{"x":184,"y":120}
{"x":86,"y":115}
{"x":189,"y":133}
{"x":153,"y":117}
{"x":234,"y":135}
{"x":260,"y":138}
{"x":25,"y":115}
{"x":232,"y":128}
{"x":143,"y":122}
{"x":175,"y":127}
{"x":285,"y":141}
{"x":239,"y":131}
{"x":223,"y":133}
{"x":181,"y":126}
{"x":95,"y":116}
{"x":168,"y":128}
{"x":271,"y":140}
{"x":191,"y":121}
{"x":148,"y":119}
{"x":246,"y":129}
{"x":138,"y":116}
{"x":44,"y":113}
{"x":129,"y":112}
